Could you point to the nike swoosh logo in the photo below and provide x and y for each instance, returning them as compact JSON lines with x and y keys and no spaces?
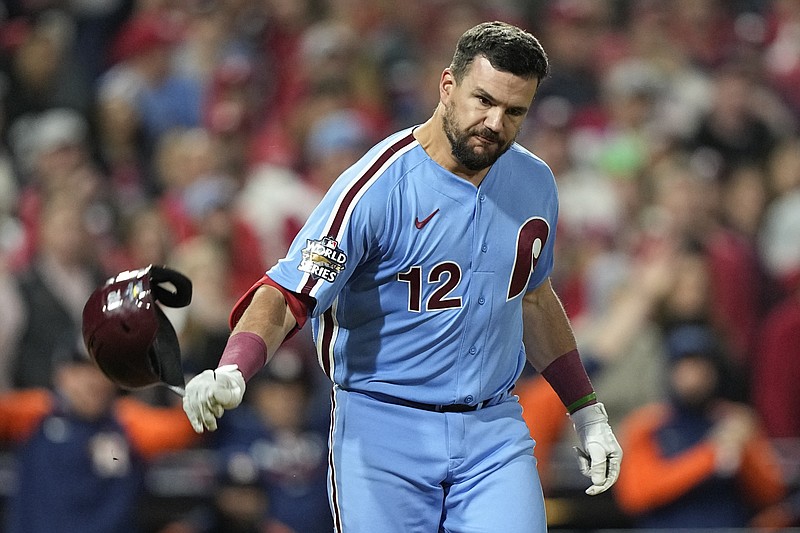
{"x":421,"y":223}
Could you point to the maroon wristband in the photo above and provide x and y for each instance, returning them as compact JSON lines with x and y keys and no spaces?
{"x":569,"y":380}
{"x":246,"y":350}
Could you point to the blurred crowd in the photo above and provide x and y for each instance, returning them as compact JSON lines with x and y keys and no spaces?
{"x":201,"y":133}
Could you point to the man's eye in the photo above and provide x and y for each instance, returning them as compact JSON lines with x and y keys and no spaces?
{"x":484,"y":101}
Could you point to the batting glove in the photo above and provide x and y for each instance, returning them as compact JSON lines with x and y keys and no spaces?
{"x":599,"y":453}
{"x":210,"y":393}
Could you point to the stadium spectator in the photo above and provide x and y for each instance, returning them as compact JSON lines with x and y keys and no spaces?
{"x":686,"y":207}
{"x":572,"y":31}
{"x":777,"y":361}
{"x":334,"y":142}
{"x":780,"y":58}
{"x":199,"y":201}
{"x":239,"y":503}
{"x":182,"y":157}
{"x":776,"y":370}
{"x":53,"y":290}
{"x":120,"y":134}
{"x":231,"y":113}
{"x":81,"y":451}
{"x":276,"y":430}
{"x":741,"y":288}
{"x":41,"y":68}
{"x":52,"y":152}
{"x":11,"y":310}
{"x":163,"y":98}
{"x":275,"y":201}
{"x":212,"y":215}
{"x":697,"y":460}
{"x":736,"y":129}
{"x":203,"y":326}
{"x":144,"y":238}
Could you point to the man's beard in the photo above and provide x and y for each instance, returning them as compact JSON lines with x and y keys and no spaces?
{"x":463,"y":152}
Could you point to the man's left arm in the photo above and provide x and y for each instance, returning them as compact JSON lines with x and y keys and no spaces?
{"x":551,"y":349}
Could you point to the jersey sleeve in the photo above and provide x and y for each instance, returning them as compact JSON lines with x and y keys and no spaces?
{"x":298,"y":305}
{"x":322,"y":258}
{"x":339,"y":235}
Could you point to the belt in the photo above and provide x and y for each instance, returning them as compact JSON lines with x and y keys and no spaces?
{"x":447,"y":408}
{"x":442,"y":408}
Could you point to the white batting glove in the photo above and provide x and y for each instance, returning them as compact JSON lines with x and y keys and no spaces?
{"x":210,"y":393}
{"x":599,"y":453}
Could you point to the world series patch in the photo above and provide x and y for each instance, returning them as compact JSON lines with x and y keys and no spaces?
{"x":322,"y":259}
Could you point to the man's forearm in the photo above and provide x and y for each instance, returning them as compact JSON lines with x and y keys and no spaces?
{"x":547,"y":333}
{"x":267,"y":316}
{"x":551,"y":348}
{"x":263,"y":326}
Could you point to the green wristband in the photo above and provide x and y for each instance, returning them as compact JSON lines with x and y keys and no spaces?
{"x":580,"y":402}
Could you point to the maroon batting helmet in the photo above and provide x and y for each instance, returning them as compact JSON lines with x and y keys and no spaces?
{"x":128,"y":335}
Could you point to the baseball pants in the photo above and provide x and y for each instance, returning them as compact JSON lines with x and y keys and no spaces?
{"x":399,"y":469}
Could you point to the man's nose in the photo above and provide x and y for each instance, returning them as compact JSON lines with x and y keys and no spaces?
{"x":494,"y":119}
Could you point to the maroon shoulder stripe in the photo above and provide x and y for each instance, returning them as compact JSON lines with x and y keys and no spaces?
{"x":352,"y":192}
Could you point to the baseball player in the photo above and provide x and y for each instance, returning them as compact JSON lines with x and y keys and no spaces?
{"x":425,"y":271}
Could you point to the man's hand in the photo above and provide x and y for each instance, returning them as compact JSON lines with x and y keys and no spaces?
{"x":734,"y":427}
{"x":210,"y":393}
{"x":599,"y":453}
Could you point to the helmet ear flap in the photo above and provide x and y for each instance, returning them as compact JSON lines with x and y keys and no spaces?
{"x":165,"y":353}
{"x":180,"y":297}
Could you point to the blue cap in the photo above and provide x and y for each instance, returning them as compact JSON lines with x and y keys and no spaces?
{"x":340,"y":130}
{"x":691,"y":340}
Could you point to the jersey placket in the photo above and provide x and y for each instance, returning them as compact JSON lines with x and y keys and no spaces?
{"x":477,"y":298}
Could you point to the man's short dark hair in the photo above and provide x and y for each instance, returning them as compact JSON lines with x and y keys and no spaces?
{"x":507,"y":47}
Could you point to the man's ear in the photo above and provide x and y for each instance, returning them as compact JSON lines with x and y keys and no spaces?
{"x":446,"y":85}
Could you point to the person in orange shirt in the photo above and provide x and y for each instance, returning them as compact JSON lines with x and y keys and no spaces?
{"x":697,"y":459}
{"x":81,"y":450}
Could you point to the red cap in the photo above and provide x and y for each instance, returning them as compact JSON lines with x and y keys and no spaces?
{"x":142,"y":34}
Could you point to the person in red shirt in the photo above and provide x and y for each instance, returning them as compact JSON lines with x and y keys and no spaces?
{"x":777,"y":369}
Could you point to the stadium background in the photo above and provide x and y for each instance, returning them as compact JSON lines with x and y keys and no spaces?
{"x":200,"y":133}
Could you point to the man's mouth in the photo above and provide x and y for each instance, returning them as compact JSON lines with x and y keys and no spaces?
{"x":486,"y":140}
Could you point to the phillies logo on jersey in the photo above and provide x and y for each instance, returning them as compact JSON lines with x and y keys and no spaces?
{"x":322,"y":259}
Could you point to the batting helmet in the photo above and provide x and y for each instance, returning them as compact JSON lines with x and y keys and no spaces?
{"x":128,"y":335}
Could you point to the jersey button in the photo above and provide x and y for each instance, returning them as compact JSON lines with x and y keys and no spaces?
{"x":484,"y":248}
{"x":481,"y":300}
{"x":468,"y":399}
{"x":473,"y":350}
{"x":482,"y":197}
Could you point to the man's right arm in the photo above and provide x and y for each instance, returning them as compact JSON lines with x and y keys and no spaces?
{"x":266,"y":321}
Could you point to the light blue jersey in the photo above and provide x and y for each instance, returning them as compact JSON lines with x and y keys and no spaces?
{"x":419,"y":276}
